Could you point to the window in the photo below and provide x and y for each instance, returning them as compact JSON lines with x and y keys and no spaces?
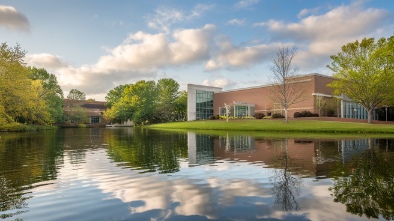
{"x":204,"y":104}
{"x":94,"y":120}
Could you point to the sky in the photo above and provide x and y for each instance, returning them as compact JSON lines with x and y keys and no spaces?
{"x":94,"y":46}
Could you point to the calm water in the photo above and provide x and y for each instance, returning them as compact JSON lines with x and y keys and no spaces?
{"x":134,"y":174}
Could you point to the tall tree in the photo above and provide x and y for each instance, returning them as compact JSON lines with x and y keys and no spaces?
{"x":364,"y":71}
{"x":75,"y":94}
{"x":167,"y":95}
{"x":180,"y":105}
{"x":52,"y":93}
{"x":114,"y":95}
{"x":285,"y":92}
{"x":20,"y":96}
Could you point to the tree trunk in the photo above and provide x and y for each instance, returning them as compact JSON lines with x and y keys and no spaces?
{"x":286,"y":117}
{"x":369,"y":116}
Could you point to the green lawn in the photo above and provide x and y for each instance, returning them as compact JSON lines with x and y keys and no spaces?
{"x":278,"y":125}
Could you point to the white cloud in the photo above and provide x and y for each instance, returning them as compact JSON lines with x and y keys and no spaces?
{"x":12,"y":19}
{"x":222,"y":82}
{"x":246,"y":4}
{"x":50,"y":62}
{"x":307,"y":11}
{"x":319,"y":36}
{"x":141,"y":55}
{"x":230,"y":56}
{"x":164,"y":18}
{"x":236,"y":21}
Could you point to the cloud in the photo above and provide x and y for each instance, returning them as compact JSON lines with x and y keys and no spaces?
{"x":319,"y":36}
{"x":141,"y":55}
{"x":164,"y":18}
{"x":236,"y":21}
{"x":222,"y":82}
{"x":306,"y":11}
{"x":246,"y":4}
{"x":233,"y":57}
{"x":50,"y":62}
{"x":12,"y":19}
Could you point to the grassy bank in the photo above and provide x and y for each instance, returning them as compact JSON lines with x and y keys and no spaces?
{"x":15,"y":127}
{"x":270,"y":125}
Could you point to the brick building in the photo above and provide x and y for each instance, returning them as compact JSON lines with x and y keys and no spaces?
{"x":204,"y":101}
{"x":84,"y":112}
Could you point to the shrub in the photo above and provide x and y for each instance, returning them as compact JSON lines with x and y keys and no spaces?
{"x":305,"y":114}
{"x":259,"y":115}
{"x":277,"y":115}
{"x":214,"y":117}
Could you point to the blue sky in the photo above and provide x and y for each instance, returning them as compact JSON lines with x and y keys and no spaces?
{"x":94,"y":46}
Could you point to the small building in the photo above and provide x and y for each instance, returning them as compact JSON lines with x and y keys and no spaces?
{"x":87,"y":112}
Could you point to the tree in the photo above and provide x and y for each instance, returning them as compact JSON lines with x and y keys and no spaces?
{"x":167,"y":91}
{"x":285,"y":92}
{"x":180,"y":106}
{"x":114,"y":95}
{"x":20,"y":96}
{"x":364,"y":71}
{"x":76,"y":95}
{"x":320,"y":103}
{"x":52,"y":93}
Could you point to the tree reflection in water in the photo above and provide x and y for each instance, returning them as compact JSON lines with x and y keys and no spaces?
{"x":286,"y":186}
{"x":365,"y":184}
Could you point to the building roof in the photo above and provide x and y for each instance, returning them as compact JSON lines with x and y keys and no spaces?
{"x":267,"y":85}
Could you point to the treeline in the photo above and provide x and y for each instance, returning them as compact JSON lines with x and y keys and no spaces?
{"x":28,"y":95}
{"x":147,"y":102}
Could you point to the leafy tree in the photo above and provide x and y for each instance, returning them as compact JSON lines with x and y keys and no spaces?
{"x":167,"y":95}
{"x":52,"y":92}
{"x":180,"y":106}
{"x":147,"y":102}
{"x":114,"y":95}
{"x":20,"y":95}
{"x":75,"y":94}
{"x":364,"y":71}
{"x":284,"y":91}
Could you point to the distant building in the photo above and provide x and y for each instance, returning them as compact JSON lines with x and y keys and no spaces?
{"x":84,"y":112}
{"x":205,"y":101}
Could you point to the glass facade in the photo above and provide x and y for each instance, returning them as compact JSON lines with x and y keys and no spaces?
{"x":204,"y":104}
{"x":354,"y":110}
{"x":239,"y":110}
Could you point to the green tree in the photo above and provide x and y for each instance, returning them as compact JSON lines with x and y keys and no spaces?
{"x":114,"y":95}
{"x":75,"y":94}
{"x":20,"y":96}
{"x":180,"y":105}
{"x":167,"y":95}
{"x":364,"y":72}
{"x":52,"y":92}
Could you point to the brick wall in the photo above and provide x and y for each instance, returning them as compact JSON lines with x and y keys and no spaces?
{"x":264,"y":100}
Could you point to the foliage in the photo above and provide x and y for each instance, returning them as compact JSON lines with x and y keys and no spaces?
{"x":214,"y":117}
{"x":259,"y":115}
{"x":305,"y":114}
{"x":146,"y":102}
{"x":364,"y":71}
{"x":114,"y":95}
{"x":277,"y":115}
{"x":78,"y":115}
{"x":320,"y":103}
{"x":21,"y":97}
{"x":52,"y":93}
{"x":75,"y":94}
{"x":284,"y":91}
{"x":365,"y":184}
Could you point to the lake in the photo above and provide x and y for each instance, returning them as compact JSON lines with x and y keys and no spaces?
{"x":139,"y":174}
